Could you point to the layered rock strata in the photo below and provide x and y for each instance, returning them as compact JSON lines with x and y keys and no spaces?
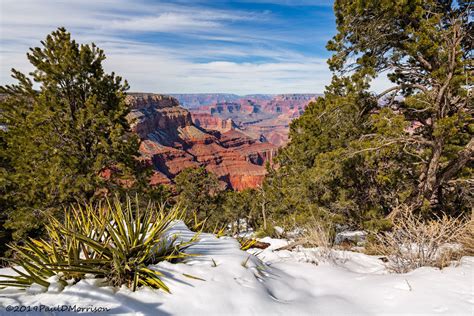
{"x":172,"y":142}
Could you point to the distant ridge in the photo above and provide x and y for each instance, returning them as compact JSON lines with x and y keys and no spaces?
{"x":193,"y":100}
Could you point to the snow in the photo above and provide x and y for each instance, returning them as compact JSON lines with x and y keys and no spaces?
{"x":357,"y":236}
{"x":267,"y":282}
{"x":279,"y":230}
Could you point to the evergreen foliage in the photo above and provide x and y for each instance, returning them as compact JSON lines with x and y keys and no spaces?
{"x":198,"y":192}
{"x":64,"y":128}
{"x":240,"y":210}
{"x":207,"y":203}
{"x":355,"y":156}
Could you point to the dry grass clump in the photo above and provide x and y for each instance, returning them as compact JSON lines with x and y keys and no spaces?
{"x":467,"y":238}
{"x":318,"y":234}
{"x":415,"y":242}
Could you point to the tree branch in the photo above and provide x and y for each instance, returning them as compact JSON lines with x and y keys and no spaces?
{"x":464,"y":156}
{"x":402,"y":140}
{"x":424,"y":62}
{"x":395,"y":88}
{"x":400,"y":87}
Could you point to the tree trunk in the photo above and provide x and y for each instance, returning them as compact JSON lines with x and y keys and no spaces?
{"x":464,"y":156}
{"x":430,"y":176}
{"x":264,"y":216}
{"x":436,"y":178}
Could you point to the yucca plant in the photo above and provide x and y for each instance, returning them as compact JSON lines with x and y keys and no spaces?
{"x":111,"y":240}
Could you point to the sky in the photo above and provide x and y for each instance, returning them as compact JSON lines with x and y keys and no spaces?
{"x":183,"y":46}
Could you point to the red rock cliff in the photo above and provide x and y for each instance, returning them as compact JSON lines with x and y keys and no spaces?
{"x":210,"y":122}
{"x":172,"y":142}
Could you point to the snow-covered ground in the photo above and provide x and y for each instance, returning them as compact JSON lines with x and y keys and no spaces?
{"x":267,"y":282}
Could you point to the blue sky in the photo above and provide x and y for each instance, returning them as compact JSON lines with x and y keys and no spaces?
{"x":267,"y":46}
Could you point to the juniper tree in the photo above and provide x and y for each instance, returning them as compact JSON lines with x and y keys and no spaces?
{"x":358,"y":155}
{"x":65,"y":126}
{"x":426,"y":47}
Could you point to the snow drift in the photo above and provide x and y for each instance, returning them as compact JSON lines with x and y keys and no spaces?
{"x":267,"y":282}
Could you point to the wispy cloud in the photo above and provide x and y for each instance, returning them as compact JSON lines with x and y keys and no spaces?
{"x":181,"y":46}
{"x":181,"y":19}
{"x":164,"y":22}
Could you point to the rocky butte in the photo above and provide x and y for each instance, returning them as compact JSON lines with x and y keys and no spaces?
{"x":171,"y":142}
{"x":261,"y":116}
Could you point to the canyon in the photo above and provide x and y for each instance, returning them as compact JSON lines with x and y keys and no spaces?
{"x":260,"y":116}
{"x":231,"y":136}
{"x":171,"y":142}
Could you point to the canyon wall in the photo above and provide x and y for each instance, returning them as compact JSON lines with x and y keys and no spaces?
{"x":210,"y":122}
{"x":171,"y":142}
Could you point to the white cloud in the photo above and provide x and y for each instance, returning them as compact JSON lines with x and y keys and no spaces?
{"x":163,"y":22}
{"x":116,"y":25}
{"x":180,"y":19}
{"x":167,"y":74}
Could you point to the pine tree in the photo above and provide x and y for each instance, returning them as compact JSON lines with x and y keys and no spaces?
{"x":65,"y":126}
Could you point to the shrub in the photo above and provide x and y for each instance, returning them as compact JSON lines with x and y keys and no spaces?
{"x":114,"y":241}
{"x":414,"y":242}
{"x":269,"y":231}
